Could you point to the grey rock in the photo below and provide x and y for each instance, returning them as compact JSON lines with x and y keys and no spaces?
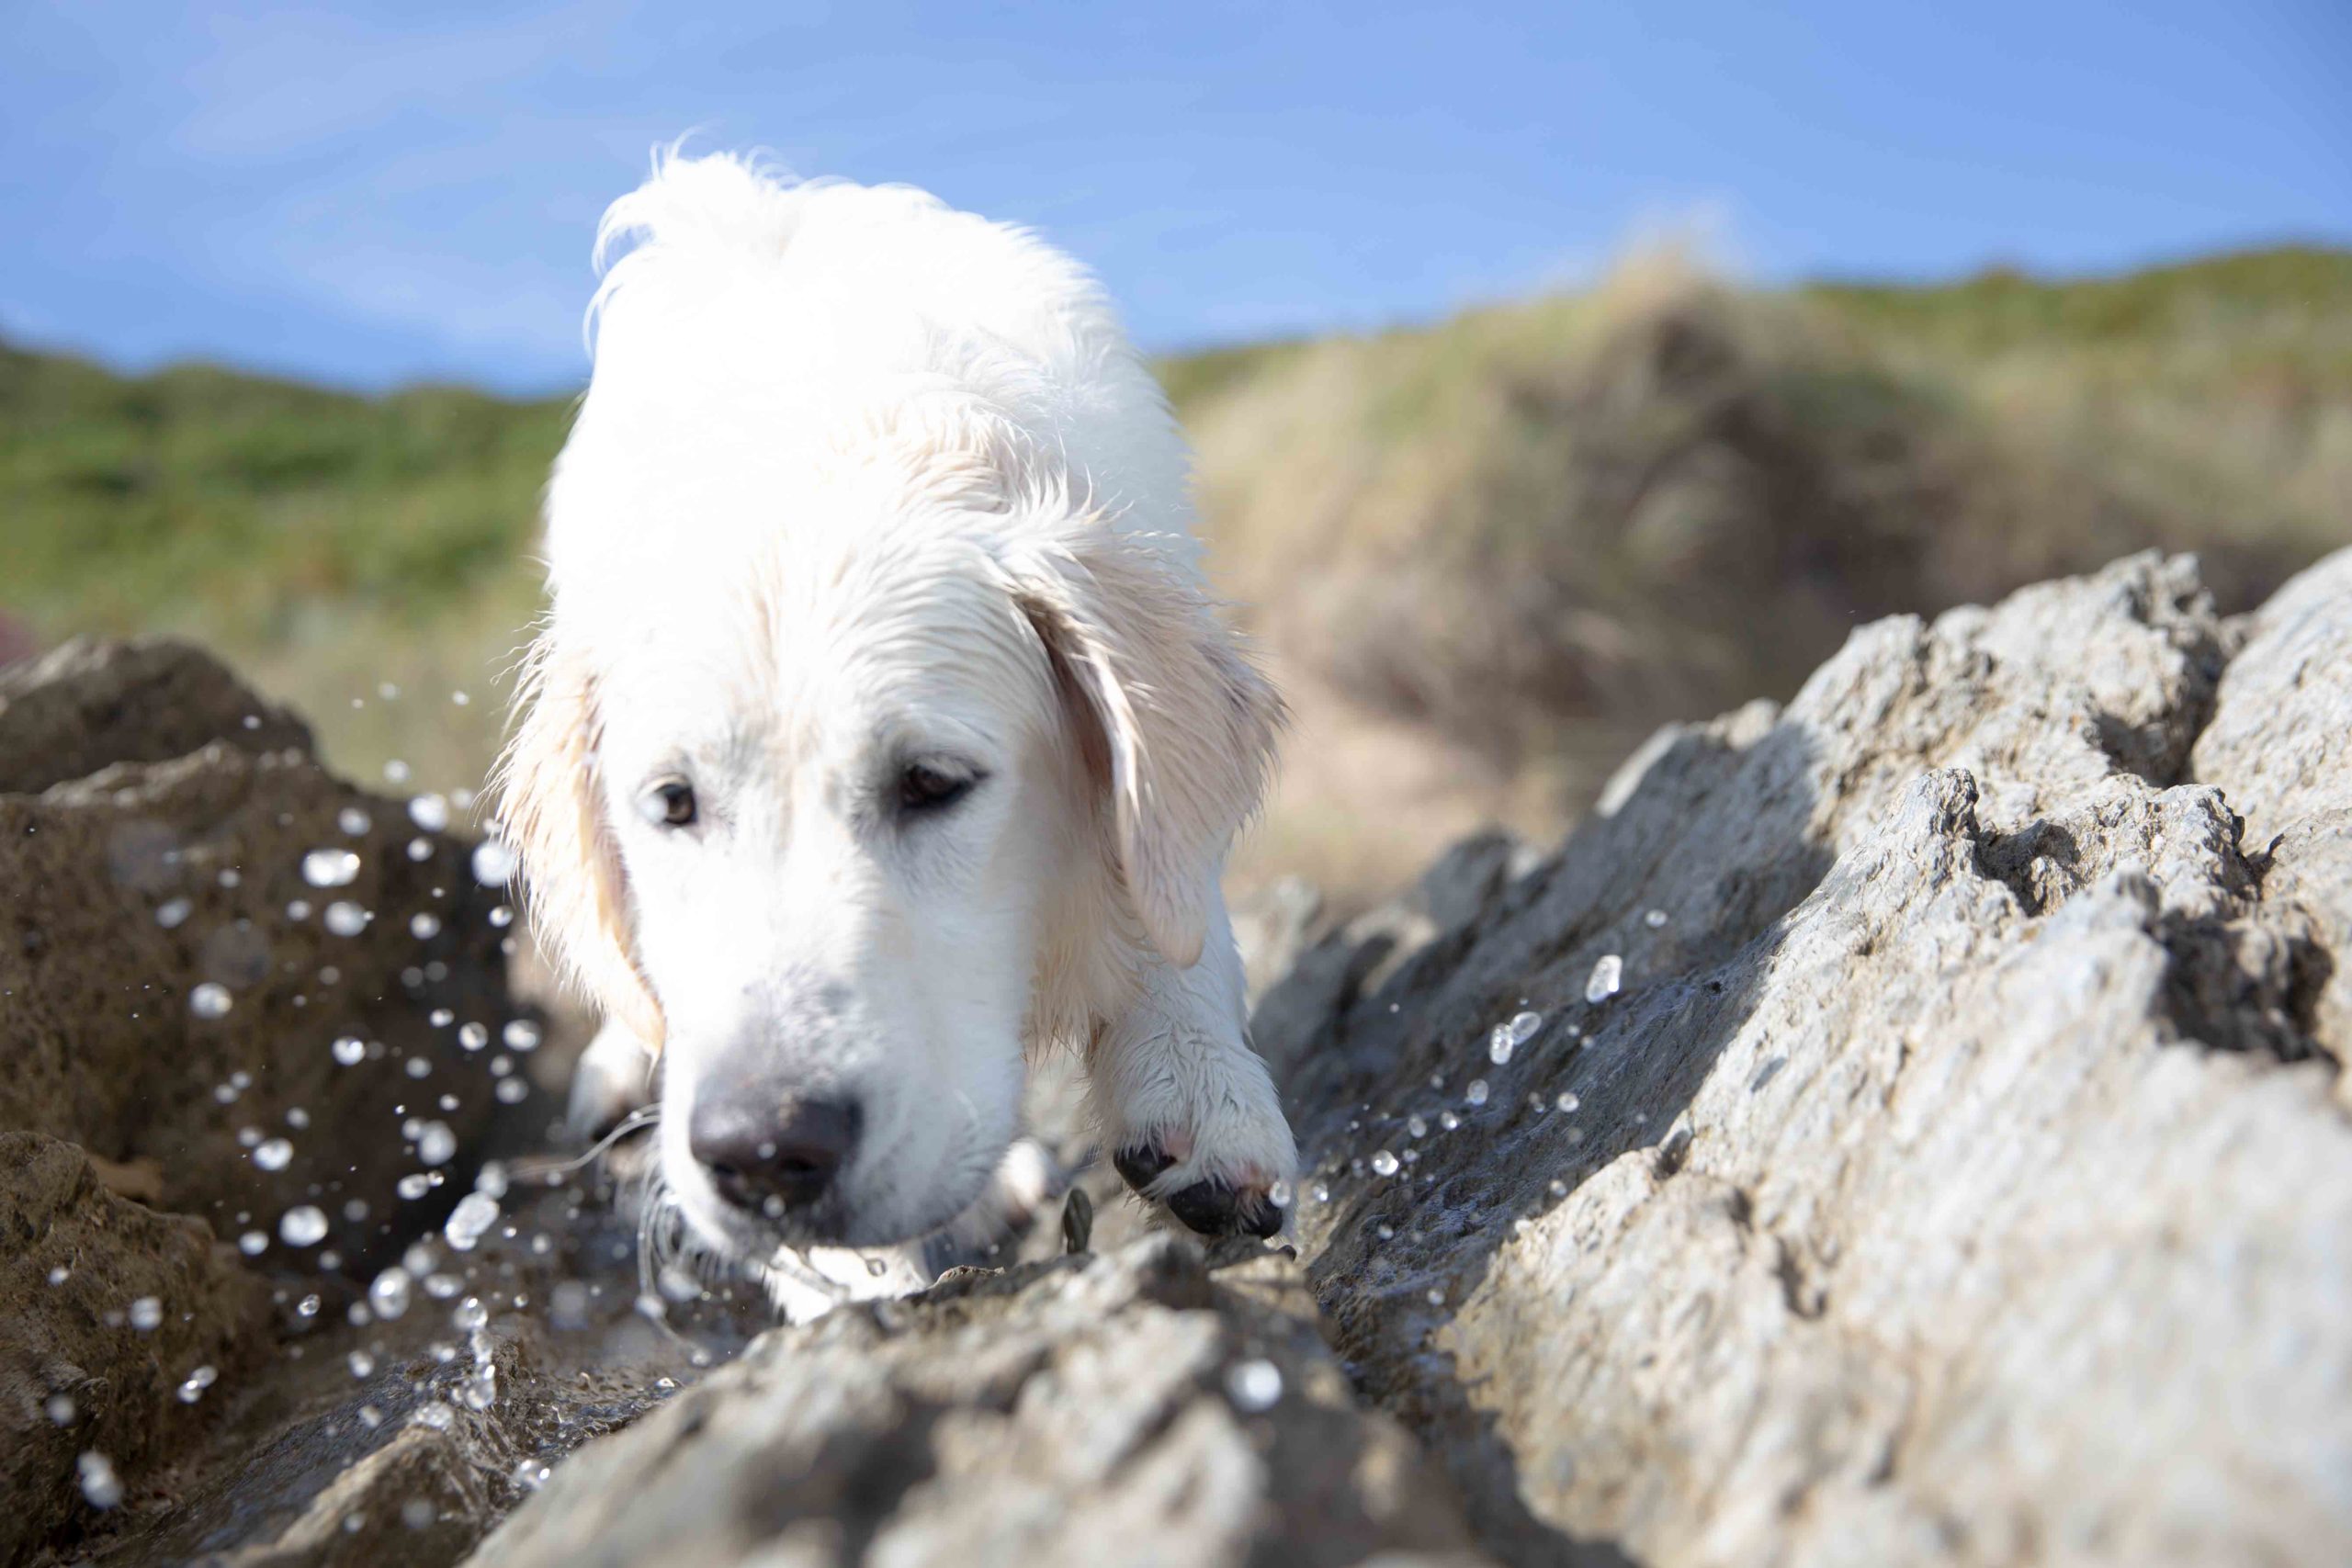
{"x":1955,"y":1178}
{"x":1132,"y":1407}
{"x":125,"y":894}
{"x":82,"y":1369}
{"x":88,"y":703}
{"x":151,"y":844}
{"x":2292,"y":680}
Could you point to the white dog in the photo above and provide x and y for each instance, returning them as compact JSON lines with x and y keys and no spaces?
{"x":882,"y":731}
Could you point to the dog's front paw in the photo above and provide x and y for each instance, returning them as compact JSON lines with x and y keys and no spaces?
{"x":1219,"y":1182}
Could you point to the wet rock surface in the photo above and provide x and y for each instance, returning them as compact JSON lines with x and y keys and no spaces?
{"x":1903,"y":1127}
{"x":1926,"y":1151}
{"x":1134,"y":1406}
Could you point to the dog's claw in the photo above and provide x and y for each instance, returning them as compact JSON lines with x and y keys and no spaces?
{"x":1140,"y":1166}
{"x":1213,"y":1209}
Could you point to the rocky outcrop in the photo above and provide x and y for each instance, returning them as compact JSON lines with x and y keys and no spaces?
{"x":1921,"y":1144}
{"x":1906,"y":1126}
{"x":253,"y":1020}
{"x":1132,"y":1407}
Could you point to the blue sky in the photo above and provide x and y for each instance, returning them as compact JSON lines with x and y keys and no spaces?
{"x":365,"y":195}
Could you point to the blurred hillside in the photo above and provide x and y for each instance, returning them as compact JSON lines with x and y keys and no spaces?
{"x":1486,"y":556}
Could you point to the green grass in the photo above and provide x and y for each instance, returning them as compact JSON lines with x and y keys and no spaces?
{"x":1645,"y":501}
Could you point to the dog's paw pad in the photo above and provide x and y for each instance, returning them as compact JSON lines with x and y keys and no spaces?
{"x":1217,"y":1208}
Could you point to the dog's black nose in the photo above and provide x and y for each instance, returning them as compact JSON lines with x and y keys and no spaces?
{"x":769,"y":1159}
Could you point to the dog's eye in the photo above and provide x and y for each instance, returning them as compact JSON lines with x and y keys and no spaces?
{"x":922,"y":787}
{"x":669,"y":804}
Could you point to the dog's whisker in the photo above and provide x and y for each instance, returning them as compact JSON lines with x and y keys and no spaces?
{"x":542,"y":1168}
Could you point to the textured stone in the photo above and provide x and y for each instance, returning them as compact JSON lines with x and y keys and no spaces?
{"x":78,"y":1372}
{"x":1129,"y":1407}
{"x":123,"y":893}
{"x":88,"y":705}
{"x":1954,"y":1178}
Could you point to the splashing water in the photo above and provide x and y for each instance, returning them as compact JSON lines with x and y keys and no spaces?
{"x":388,"y":1296}
{"x":1509,"y":1037}
{"x":474,"y":1214}
{"x":1254,"y":1385}
{"x":494,"y":862}
{"x":331,"y":868}
{"x":99,"y":1483}
{"x":1608,"y":978}
{"x":302,"y":1225}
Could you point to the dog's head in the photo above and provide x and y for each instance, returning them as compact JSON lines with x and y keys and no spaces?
{"x":838,"y":826}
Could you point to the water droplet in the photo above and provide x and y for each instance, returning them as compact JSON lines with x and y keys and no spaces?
{"x":396,"y":772}
{"x":1436,"y":1296}
{"x":475,"y":1214}
{"x":1654,"y":919}
{"x":1568,"y":1101}
{"x":1608,"y":977}
{"x":302,"y":1225}
{"x":1254,"y":1385}
{"x":60,"y":1409}
{"x":440,"y":1417}
{"x":172,"y":911}
{"x":1557,"y":1188}
{"x":511,"y":1091}
{"x":345,"y":918}
{"x":474,"y":1036}
{"x":331,"y":868}
{"x":521,"y":1034}
{"x":424,"y":927}
{"x":351,"y":821}
{"x":430,"y":812}
{"x":253,"y":1243}
{"x":413,"y":1186}
{"x":274,"y":1155}
{"x":99,"y":1484}
{"x":494,"y":863}
{"x":435,"y":1145}
{"x":420,"y":849}
{"x":210,"y":999}
{"x":471,"y":1314}
{"x":1279,"y":1194}
{"x":388,"y":1296}
{"x":1448,"y":1120}
{"x":1384,"y":1163}
{"x":1322,"y":1193}
{"x":350,"y":1050}
{"x":1475,"y":1094}
{"x":678,"y":1285}
{"x":146,"y":1314}
{"x":441,"y":1018}
{"x":360,"y":1362}
{"x":192,"y":1388}
{"x":500,"y":915}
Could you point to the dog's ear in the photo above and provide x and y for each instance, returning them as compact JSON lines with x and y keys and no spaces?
{"x":550,"y":809}
{"x":1172,"y":716}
